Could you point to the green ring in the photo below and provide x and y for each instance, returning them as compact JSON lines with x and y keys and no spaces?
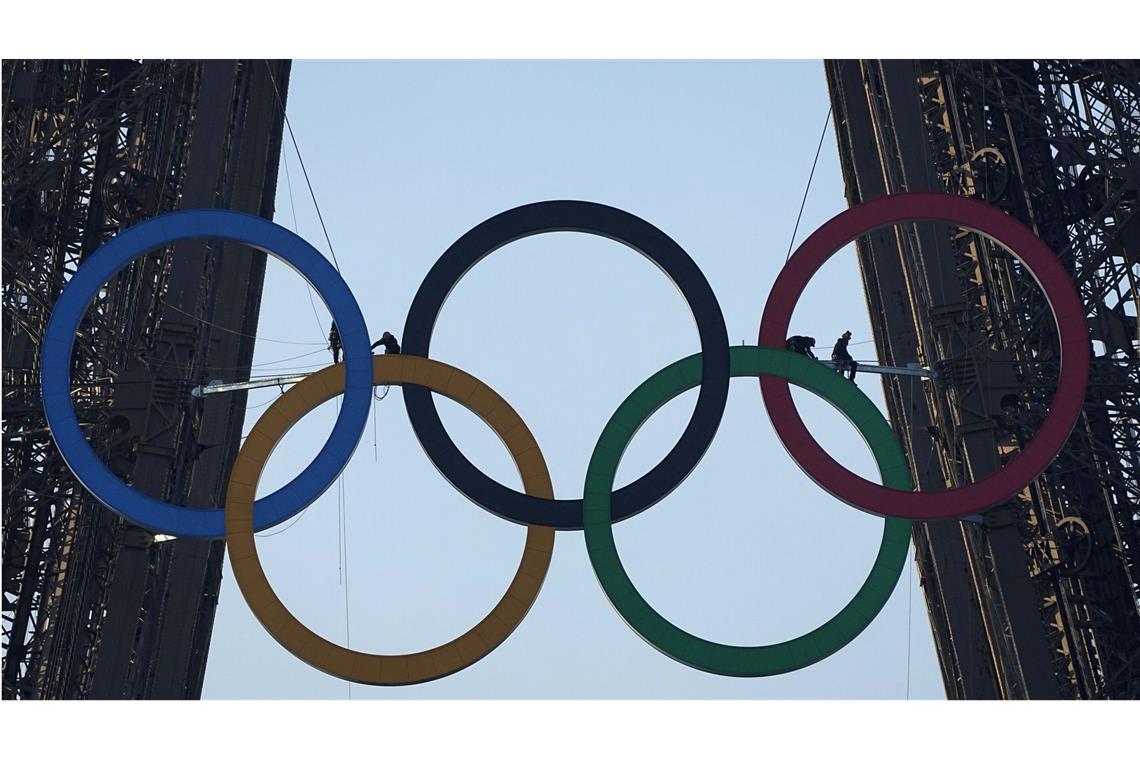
{"x":723,"y":659}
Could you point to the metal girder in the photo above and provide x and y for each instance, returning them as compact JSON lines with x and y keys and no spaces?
{"x":1055,"y":144}
{"x":92,"y":606}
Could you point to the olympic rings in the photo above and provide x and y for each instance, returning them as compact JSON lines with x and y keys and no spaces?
{"x":376,"y":669}
{"x":594,"y":218}
{"x":537,"y":508}
{"x":1058,"y":290}
{"x":723,"y":659}
{"x":59,"y":336}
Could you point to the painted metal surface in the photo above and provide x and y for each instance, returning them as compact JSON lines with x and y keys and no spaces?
{"x":362,"y":667}
{"x":1068,"y":314}
{"x":724,"y":659}
{"x":68,"y":314}
{"x":537,"y":508}
{"x":595,"y":219}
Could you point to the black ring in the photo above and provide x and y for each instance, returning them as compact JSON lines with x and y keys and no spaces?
{"x":625,"y":228}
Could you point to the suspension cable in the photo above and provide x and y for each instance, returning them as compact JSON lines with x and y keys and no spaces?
{"x":301,"y":160}
{"x":296,"y":229}
{"x":822,"y":134}
{"x":909,"y":611}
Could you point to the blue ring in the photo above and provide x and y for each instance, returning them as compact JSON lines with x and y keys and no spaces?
{"x":263,"y":235}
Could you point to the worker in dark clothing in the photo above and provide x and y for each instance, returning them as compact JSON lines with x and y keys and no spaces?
{"x":388,"y":341}
{"x":842,"y":358}
{"x":801,"y":344}
{"x":334,"y":343}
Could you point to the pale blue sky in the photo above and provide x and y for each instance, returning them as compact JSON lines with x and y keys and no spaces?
{"x":407,"y":156}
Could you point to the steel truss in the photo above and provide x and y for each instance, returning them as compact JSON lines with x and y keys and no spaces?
{"x":94,"y":607}
{"x":1042,"y":600}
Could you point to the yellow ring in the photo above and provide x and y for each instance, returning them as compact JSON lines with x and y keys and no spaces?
{"x":378,"y":669}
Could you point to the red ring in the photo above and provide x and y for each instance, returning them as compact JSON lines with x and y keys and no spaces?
{"x":1058,"y":289}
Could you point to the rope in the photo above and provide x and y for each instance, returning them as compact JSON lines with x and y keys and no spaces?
{"x":342,"y":555}
{"x":339,"y":525}
{"x":822,"y":134}
{"x":286,"y":359}
{"x":235,"y":332}
{"x":301,"y":160}
{"x":293,"y":208}
{"x":258,"y":406}
{"x":344,"y":541}
{"x":183,"y":366}
{"x":909,"y":615}
{"x":296,"y":519}
{"x":375,"y":417}
{"x":343,"y":521}
{"x":277,"y":371}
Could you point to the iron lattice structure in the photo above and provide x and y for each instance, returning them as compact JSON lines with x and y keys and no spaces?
{"x":93,"y":606}
{"x":1041,"y":598}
